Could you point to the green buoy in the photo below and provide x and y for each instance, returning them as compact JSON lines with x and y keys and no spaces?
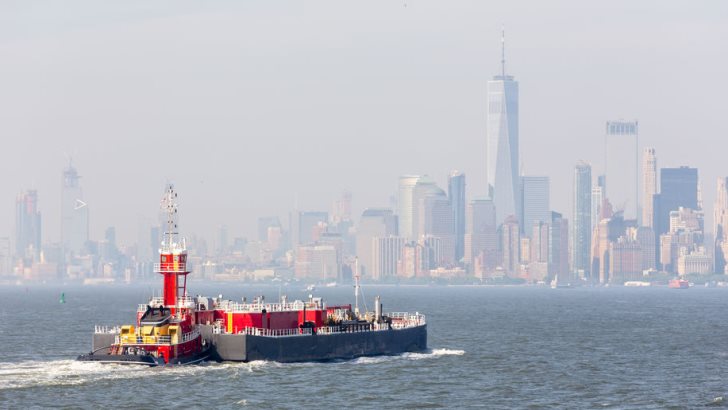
{"x":63,"y":298}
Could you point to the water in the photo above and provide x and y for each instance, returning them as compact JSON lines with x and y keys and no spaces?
{"x":489,"y":348}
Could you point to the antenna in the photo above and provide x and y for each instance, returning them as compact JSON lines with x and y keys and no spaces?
{"x":356,"y":286}
{"x":503,"y":51}
{"x":169,"y":206}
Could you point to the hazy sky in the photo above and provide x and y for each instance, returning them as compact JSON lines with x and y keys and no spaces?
{"x":248,"y":105}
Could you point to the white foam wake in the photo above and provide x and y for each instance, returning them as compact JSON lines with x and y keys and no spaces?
{"x":430,"y":354}
{"x":57,"y":372}
{"x":71,"y":372}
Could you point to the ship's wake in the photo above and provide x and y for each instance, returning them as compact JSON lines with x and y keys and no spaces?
{"x":37,"y":373}
{"x":428,"y":354}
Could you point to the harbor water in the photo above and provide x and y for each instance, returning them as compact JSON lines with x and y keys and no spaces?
{"x":490,"y":347}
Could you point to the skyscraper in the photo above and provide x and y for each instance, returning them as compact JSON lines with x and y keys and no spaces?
{"x":559,"y":247}
{"x":435,"y":217}
{"x":425,"y":187}
{"x":481,"y":240}
{"x":502,"y":146}
{"x":625,"y":261}
{"x":308,"y":226}
{"x":649,"y":184}
{"x":456,"y":195}
{"x":27,"y":225}
{"x":645,"y":236}
{"x":342,"y":208}
{"x":264,"y":223}
{"x":678,"y":188}
{"x":597,"y":199}
{"x":581,"y":235}
{"x":387,"y":252}
{"x":74,"y":213}
{"x":406,"y":205}
{"x":510,"y":243}
{"x":620,"y":166}
{"x":720,"y":220}
{"x":374,"y":223}
{"x":537,"y":257}
{"x":535,"y":203}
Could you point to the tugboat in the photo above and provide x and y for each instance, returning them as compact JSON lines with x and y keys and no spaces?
{"x":178,"y":329}
{"x":166,"y":331}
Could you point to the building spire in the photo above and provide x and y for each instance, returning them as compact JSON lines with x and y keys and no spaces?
{"x":503,"y":52}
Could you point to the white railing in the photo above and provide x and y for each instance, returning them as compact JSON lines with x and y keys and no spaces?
{"x":257,"y":331}
{"x":185,"y":302}
{"x":170,"y":267}
{"x":107,"y":329}
{"x":230,"y":306}
{"x":158,"y":340}
{"x":403,"y":320}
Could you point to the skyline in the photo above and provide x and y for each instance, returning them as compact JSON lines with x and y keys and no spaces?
{"x":425,"y":106}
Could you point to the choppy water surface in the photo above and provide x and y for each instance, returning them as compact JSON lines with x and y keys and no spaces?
{"x":489,"y":347}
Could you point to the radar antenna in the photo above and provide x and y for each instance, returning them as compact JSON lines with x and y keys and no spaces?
{"x":169,"y":207}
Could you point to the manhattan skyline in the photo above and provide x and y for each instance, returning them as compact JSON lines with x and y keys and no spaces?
{"x":276,"y":114}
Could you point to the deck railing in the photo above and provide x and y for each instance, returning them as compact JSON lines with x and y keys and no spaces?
{"x":401,"y":321}
{"x":110,"y":330}
{"x":230,"y":306}
{"x":158,"y":340}
{"x":170,"y":267}
{"x":182,"y":302}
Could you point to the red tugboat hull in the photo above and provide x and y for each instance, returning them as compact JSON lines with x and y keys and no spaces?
{"x":145,"y":359}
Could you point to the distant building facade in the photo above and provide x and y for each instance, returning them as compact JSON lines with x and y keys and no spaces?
{"x":27,"y":225}
{"x":621,"y":166}
{"x":535,"y":200}
{"x":582,"y":223}
{"x":456,"y":195}
{"x":649,"y":185}
{"x":74,"y":214}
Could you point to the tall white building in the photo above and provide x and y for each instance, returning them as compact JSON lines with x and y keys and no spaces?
{"x":387,"y":252}
{"x":649,"y":185}
{"x":621,"y":166}
{"x":374,"y":222}
{"x":425,"y":187}
{"x":502,"y":144}
{"x":406,"y":205}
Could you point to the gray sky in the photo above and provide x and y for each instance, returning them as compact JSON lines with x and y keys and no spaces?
{"x":246,"y":105}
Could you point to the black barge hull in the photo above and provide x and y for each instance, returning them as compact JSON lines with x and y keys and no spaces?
{"x":301,"y":348}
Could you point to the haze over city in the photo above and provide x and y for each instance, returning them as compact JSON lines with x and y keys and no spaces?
{"x":250,"y":108}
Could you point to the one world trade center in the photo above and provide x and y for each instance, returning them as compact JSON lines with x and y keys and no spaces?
{"x":502,"y":147}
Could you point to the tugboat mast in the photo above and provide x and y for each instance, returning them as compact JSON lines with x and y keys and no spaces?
{"x":172,"y":255}
{"x":356,"y":287}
